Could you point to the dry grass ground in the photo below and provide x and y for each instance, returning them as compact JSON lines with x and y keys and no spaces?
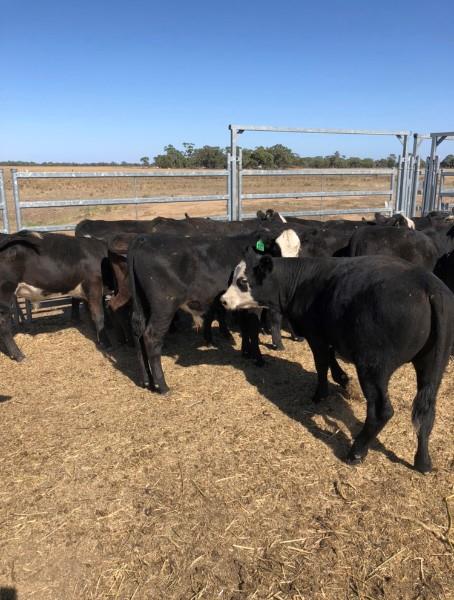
{"x":231,"y":488}
{"x":47,"y":189}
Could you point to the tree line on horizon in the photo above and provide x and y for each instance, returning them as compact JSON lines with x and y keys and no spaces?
{"x":261,"y":157}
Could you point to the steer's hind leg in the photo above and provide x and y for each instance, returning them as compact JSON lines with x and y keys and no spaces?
{"x":94,"y":293}
{"x":250,"y":326}
{"x":428,"y":379}
{"x":379,"y":410}
{"x":6,"y":335}
{"x":153,"y":338}
{"x":275,"y":319}
{"x":337,"y":373}
{"x":320,"y":352}
{"x":75,"y":310}
{"x":146,"y":377}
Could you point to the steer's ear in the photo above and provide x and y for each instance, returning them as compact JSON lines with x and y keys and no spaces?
{"x":265,"y":266}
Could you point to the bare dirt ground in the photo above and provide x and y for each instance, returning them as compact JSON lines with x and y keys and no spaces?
{"x":57,"y":189}
{"x":231,"y":488}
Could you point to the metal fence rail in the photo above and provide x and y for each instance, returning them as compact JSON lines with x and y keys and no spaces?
{"x":388,"y":193}
{"x":3,"y":206}
{"x":403,"y":188}
{"x":445,"y":194}
{"x":21,"y":205}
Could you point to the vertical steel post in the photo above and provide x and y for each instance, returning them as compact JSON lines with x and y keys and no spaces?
{"x":414,"y":186}
{"x":393,"y":190}
{"x":229,"y":187}
{"x":234,"y":172}
{"x":429,"y":192}
{"x":403,"y":183}
{"x":16,"y":199}
{"x":3,"y":206}
{"x":240,"y":184}
{"x":397,"y":204}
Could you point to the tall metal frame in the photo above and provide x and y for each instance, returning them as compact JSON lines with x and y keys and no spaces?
{"x":403,"y":186}
{"x":432,"y":179}
{"x":3,"y":206}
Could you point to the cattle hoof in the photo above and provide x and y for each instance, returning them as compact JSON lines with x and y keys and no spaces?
{"x":18,"y":357}
{"x":423,"y":466}
{"x":354,"y":459}
{"x":163,"y":391}
{"x":278,"y":347}
{"x":297,"y":338}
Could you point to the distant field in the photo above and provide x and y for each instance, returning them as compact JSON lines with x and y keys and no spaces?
{"x":47,"y":189}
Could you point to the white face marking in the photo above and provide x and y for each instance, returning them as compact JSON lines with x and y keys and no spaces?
{"x":197,"y":316}
{"x":410,"y":223}
{"x":289,"y":243}
{"x":235,"y":298}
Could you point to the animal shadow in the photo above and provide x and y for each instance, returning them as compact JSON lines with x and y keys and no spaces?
{"x":290,"y":387}
{"x":8,"y":593}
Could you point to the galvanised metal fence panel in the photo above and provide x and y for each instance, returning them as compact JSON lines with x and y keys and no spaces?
{"x":387,"y":193}
{"x":3,"y":206}
{"x":21,"y":205}
{"x":401,"y":190}
{"x":445,"y":194}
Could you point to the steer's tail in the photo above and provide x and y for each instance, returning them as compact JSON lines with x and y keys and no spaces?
{"x":138,"y":320}
{"x":433,"y":358}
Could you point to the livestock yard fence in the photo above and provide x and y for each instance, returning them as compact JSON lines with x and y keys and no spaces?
{"x":399,"y":194}
{"x":3,"y":206}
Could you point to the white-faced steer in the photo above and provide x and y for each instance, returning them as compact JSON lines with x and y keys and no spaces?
{"x":168,"y":272}
{"x":376,"y":312}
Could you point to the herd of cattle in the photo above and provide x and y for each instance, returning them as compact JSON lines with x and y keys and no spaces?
{"x":376,"y":293}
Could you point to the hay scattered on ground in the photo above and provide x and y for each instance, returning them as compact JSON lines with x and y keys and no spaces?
{"x":232,"y":487}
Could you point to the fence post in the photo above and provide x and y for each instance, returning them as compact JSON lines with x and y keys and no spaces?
{"x":16,"y":199}
{"x":234,"y":203}
{"x":3,"y":206}
{"x":240,"y":184}
{"x":414,"y":186}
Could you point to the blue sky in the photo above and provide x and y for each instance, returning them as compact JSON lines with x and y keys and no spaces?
{"x":89,"y":81}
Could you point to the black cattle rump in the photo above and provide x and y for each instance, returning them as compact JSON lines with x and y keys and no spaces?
{"x":376,"y":312}
{"x":102,"y":230}
{"x":168,"y":273}
{"x":413,"y":246}
{"x":38,"y":265}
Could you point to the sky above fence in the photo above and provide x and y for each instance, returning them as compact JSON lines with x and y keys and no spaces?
{"x":91,"y":81}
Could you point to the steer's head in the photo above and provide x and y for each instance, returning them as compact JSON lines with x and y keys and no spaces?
{"x":253,"y":285}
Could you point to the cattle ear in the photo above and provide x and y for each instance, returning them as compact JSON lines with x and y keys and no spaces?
{"x":265,"y":265}
{"x":250,"y":255}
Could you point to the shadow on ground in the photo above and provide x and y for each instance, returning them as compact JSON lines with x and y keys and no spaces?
{"x":283,"y":382}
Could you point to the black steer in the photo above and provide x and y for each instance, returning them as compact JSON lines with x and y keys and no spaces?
{"x":167,"y":273}
{"x":402,"y":242}
{"x":376,"y":312}
{"x":38,"y":265}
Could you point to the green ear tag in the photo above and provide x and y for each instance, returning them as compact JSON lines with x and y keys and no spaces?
{"x":260,"y":246}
